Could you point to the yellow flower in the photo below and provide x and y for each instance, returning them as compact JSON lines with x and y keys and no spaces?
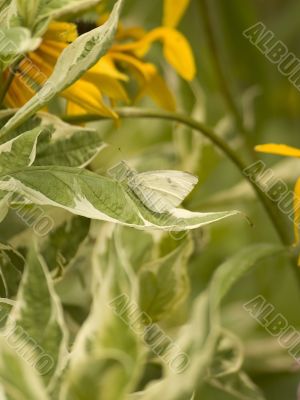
{"x":176,"y":49}
{"x":284,"y":150}
{"x":105,"y":83}
{"x":37,"y":66}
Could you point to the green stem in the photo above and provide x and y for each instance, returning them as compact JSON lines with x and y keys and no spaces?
{"x":213,"y":137}
{"x":11,"y":74}
{"x":217,"y":61}
{"x":5,"y":87}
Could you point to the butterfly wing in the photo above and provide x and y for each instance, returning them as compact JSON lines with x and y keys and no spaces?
{"x":162,"y":191}
{"x":121,"y":171}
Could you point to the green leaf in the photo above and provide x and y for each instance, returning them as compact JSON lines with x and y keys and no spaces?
{"x":4,"y":3}
{"x":11,"y":268}
{"x":225,"y":375}
{"x":139,"y":246}
{"x":108,"y":356}
{"x":237,"y":386}
{"x":14,"y":42}
{"x":60,"y":143}
{"x":38,"y":313}
{"x":74,"y":286}
{"x":5,"y":115}
{"x":72,"y":63}
{"x":202,"y":336}
{"x":188,"y":362}
{"x":5,"y":309}
{"x":19,"y":152}
{"x":5,"y":199}
{"x":229,"y":356}
{"x":63,"y":243}
{"x":17,"y":378}
{"x":28,"y":11}
{"x":59,"y":8}
{"x":36,"y":14}
{"x":237,"y":266}
{"x":75,"y":150}
{"x":164,"y":282}
{"x":93,"y":196}
{"x":4,"y":13}
{"x":28,"y":125}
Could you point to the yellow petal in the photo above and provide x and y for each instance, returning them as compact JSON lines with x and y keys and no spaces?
{"x":135,"y":33}
{"x":75,"y":109}
{"x":19,"y":93}
{"x":158,"y":90}
{"x":179,"y":54}
{"x":174,"y":11}
{"x":138,"y":48}
{"x":61,"y":31}
{"x":88,"y":97}
{"x":150,"y":82}
{"x":143,"y":70}
{"x":108,"y":86}
{"x":297,"y":211}
{"x":50,"y":50}
{"x":35,"y":71}
{"x":177,"y":50}
{"x":280,"y":149}
{"x":10,"y":101}
{"x":37,"y":63}
{"x":107,"y":66}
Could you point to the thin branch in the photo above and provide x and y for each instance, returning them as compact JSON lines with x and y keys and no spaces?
{"x":11,"y":74}
{"x":218,"y":65}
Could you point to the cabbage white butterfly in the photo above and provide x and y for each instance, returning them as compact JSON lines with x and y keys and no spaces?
{"x":160,"y":191}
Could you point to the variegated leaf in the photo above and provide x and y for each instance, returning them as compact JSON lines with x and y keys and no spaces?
{"x":97,"y":197}
{"x":201,"y":345}
{"x":38,"y":313}
{"x":28,"y":11}
{"x":59,"y":8}
{"x":105,"y":364}
{"x":17,"y":379}
{"x":75,"y":150}
{"x":19,"y":152}
{"x":36,"y":14}
{"x":14,"y":42}
{"x":11,"y":268}
{"x":73,"y":62}
{"x":63,"y":243}
{"x":164,"y":282}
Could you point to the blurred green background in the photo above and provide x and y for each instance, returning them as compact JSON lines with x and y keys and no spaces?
{"x":269,"y":105}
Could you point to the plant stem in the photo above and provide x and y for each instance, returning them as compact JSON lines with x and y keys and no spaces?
{"x":5,"y":87}
{"x":217,"y":61}
{"x":11,"y":74}
{"x":209,"y":134}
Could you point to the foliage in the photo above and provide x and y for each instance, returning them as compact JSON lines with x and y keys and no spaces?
{"x":108,"y":291}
